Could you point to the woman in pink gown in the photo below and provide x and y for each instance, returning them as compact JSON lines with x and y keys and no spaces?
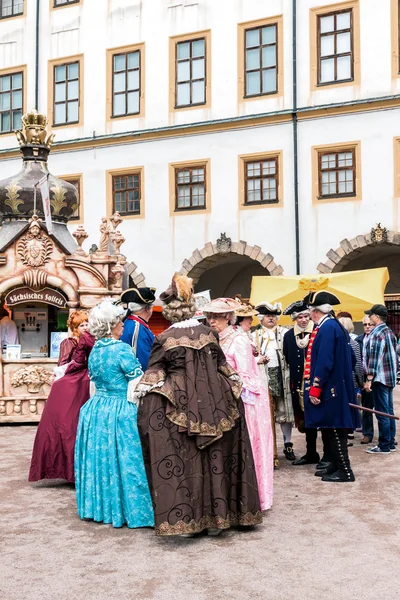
{"x":53,"y":450}
{"x":239,"y":353}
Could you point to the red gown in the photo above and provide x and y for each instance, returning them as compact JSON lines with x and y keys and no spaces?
{"x":53,"y":450}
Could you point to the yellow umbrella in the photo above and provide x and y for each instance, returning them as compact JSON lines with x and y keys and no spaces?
{"x":357,"y":290}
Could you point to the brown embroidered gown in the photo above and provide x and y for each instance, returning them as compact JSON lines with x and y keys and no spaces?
{"x":195,"y":441}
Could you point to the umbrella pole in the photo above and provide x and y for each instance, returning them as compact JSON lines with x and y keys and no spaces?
{"x":374,"y":412}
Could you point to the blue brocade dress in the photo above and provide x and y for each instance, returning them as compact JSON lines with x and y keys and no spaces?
{"x":111,"y":482}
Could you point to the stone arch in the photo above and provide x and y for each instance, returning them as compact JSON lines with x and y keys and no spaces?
{"x":227,"y":268}
{"x":350,"y":250}
{"x":138,"y":279}
{"x":206,"y":257}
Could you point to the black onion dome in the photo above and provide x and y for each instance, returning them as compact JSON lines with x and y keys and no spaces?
{"x":17,"y":191}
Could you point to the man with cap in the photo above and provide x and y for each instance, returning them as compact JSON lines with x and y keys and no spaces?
{"x":295,"y":343}
{"x":268,"y":338}
{"x":328,"y":385}
{"x":137,"y":332}
{"x":381,"y":367}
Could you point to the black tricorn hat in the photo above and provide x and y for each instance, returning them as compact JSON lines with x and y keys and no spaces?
{"x":319,"y":298}
{"x":265,"y":308}
{"x":297,"y":307}
{"x":140,"y":295}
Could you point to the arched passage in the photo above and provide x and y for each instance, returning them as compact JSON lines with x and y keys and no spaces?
{"x":379,"y":248}
{"x":226,"y":268}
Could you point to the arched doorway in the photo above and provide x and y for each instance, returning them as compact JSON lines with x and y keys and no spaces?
{"x":379,"y":248}
{"x":226,"y":268}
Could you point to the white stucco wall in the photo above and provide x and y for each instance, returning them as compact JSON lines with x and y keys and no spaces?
{"x":159,"y":243}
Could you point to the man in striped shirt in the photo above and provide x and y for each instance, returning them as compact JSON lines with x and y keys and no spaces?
{"x":381,"y":367}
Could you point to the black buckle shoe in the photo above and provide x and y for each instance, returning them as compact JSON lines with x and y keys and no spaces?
{"x":323,"y":464}
{"x":305,"y":460}
{"x":340,"y":477}
{"x":288,"y":451}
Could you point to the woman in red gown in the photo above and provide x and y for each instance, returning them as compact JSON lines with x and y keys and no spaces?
{"x":53,"y":450}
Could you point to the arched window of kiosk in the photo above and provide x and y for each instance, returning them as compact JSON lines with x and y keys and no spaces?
{"x":41,"y":320}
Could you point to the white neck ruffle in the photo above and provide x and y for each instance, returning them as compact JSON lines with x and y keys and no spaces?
{"x":186,"y":323}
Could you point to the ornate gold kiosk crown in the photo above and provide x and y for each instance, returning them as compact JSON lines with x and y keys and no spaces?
{"x":34,"y":130}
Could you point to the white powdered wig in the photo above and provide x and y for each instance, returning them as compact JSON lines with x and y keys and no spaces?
{"x":135,"y":307}
{"x":104,"y":317}
{"x":297,"y":314}
{"x":324,"y":308}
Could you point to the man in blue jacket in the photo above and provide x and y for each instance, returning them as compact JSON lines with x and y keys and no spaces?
{"x":137,"y":332}
{"x":328,"y":385}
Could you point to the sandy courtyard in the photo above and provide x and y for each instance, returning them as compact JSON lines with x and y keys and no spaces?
{"x":320,"y":541}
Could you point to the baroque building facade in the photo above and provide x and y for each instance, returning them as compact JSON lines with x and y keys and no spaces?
{"x":235,"y":137}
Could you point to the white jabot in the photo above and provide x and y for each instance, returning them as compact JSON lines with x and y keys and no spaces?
{"x":187,"y":323}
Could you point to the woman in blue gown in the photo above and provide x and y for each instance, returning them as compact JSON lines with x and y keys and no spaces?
{"x":111,"y":483}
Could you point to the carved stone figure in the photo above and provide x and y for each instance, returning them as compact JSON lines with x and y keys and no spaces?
{"x":33,"y":376}
{"x":34,"y":249}
{"x":105,"y":231}
{"x":224,"y":244}
{"x":379,"y":234}
{"x":118,"y":240}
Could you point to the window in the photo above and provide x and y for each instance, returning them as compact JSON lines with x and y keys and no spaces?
{"x":126,"y":84}
{"x":261,"y":181}
{"x":126,"y":193}
{"x":261,"y":60}
{"x":337,"y":175}
{"x":190,"y":187}
{"x":66,"y":93}
{"x":335,"y":47}
{"x":190,"y":67}
{"x":11,"y":8}
{"x":11,"y":101}
{"x":65,"y":2}
{"x":75,"y":181}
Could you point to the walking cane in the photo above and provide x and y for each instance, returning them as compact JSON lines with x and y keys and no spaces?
{"x":374,"y":412}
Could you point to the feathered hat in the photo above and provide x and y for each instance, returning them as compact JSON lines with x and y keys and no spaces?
{"x":221,"y":306}
{"x":297,"y":308}
{"x":181,"y":288}
{"x":246,"y":309}
{"x":265,"y":308}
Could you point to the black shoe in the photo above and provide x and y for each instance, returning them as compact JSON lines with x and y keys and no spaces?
{"x":306,"y":460}
{"x":321,"y":473}
{"x":324,"y":464}
{"x":288,"y":451}
{"x":340,"y":476}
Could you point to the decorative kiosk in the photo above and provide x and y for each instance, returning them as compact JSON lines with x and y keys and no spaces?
{"x":45,"y":274}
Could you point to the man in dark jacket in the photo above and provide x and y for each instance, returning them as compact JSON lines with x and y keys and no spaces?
{"x":295,"y":343}
{"x":328,"y":385}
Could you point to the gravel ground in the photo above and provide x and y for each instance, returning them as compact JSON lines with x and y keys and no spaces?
{"x":319,"y":541}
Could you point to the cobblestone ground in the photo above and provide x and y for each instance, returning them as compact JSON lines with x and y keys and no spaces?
{"x":319,"y":541}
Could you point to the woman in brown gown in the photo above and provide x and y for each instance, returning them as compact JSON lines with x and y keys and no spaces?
{"x":195,"y":441}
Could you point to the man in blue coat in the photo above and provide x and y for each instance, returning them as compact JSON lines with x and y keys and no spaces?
{"x":328,"y":385}
{"x":137,"y":332}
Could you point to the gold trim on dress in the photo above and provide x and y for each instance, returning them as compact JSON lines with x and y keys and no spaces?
{"x":186,"y":342}
{"x":210,"y":522}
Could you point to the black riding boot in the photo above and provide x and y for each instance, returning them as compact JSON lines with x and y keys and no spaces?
{"x":311,"y":456}
{"x":341,"y":453}
{"x":327,"y":459}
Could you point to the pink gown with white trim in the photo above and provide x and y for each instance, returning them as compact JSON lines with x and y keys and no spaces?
{"x":239,"y":354}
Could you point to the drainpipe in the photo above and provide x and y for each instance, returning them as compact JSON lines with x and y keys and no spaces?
{"x":295,"y":140}
{"x":37,"y":57}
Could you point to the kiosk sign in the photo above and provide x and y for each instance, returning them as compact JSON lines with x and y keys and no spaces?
{"x":26,"y":294}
